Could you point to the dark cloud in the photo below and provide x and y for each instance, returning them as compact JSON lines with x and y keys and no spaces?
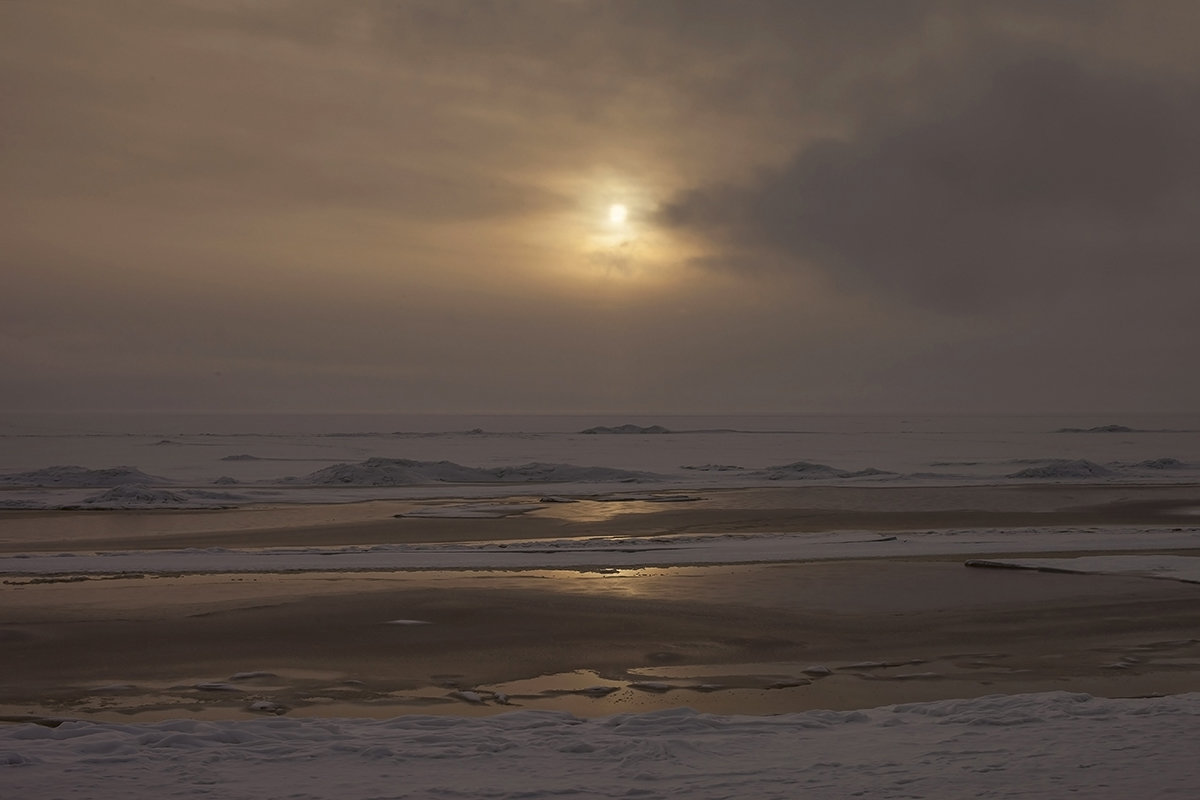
{"x":1033,"y":176}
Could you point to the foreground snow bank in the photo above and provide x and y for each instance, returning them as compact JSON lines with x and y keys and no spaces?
{"x":1037,"y":745}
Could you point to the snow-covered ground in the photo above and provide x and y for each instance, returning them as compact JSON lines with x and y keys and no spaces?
{"x":1049,"y":745}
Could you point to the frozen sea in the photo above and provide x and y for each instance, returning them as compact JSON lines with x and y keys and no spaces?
{"x":225,"y":460}
{"x":1045,"y":745}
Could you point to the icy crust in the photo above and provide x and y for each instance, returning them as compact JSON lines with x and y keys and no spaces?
{"x":1034,"y":745}
{"x":71,"y":477}
{"x":406,"y":472}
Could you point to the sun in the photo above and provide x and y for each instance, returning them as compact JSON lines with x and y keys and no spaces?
{"x":617,"y":214}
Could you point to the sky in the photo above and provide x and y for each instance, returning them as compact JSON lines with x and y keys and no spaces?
{"x":409,"y":206}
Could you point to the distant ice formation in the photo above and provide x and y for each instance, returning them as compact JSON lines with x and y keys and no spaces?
{"x":1161,"y":463}
{"x":1054,"y":469}
{"x":136,"y":495}
{"x":1101,"y":429}
{"x":807,"y":470}
{"x":71,"y":477}
{"x":406,"y":472}
{"x":537,"y":472}
{"x":626,"y":429}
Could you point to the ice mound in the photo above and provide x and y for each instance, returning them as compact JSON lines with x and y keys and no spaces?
{"x":396,"y":472}
{"x":807,"y":470}
{"x":1063,"y":468}
{"x":1100,"y":429}
{"x":205,"y":494}
{"x":136,"y":496}
{"x":19,"y":504}
{"x":800,"y":470}
{"x":538,"y":472}
{"x":406,"y":472}
{"x":1161,"y":463}
{"x":626,"y":429}
{"x":71,"y":477}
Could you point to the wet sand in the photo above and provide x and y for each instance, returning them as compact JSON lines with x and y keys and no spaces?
{"x":733,"y":639}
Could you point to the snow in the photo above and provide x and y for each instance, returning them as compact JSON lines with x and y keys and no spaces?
{"x":1037,"y":745}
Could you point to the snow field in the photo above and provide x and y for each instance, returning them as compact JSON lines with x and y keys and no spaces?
{"x":1038,"y":745}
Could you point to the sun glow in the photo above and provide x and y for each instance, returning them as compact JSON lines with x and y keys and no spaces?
{"x":611,"y":234}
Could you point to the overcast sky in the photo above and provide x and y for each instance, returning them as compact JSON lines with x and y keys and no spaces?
{"x":831,"y":205}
